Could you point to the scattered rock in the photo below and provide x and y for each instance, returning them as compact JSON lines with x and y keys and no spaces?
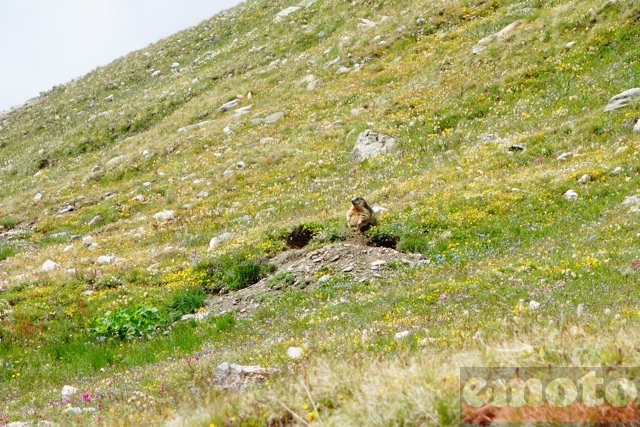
{"x":164,"y":216}
{"x":570,"y":44}
{"x":241,"y":165}
{"x":313,"y":85}
{"x":371,"y":144}
{"x":202,"y":195}
{"x":286,"y":12}
{"x":242,"y":111}
{"x":636,"y":127}
{"x":266,"y":140}
{"x":500,"y":35}
{"x":188,"y":317}
{"x":295,"y":352}
{"x":228,"y":106}
{"x":517,"y":147}
{"x":402,"y":335}
{"x":365,"y":24}
{"x":72,"y":410}
{"x":49,"y":266}
{"x":88,"y":241}
{"x":115,"y":162}
{"x":342,"y":70}
{"x":105,"y":259}
{"x":622,"y":99}
{"x":584,"y":179}
{"x":96,"y":219}
{"x":571,"y":195}
{"x":68,"y":390}
{"x":631,"y":201}
{"x":66,"y":208}
{"x":95,"y":169}
{"x":229,"y":376}
{"x":564,"y":156}
{"x":37,"y":197}
{"x":269,"y":119}
{"x":139,"y":198}
{"x":195,"y":126}
{"x":88,"y":292}
{"x":217,"y":241}
{"x":617,"y":171}
{"x":620,"y":150}
{"x":534,"y":305}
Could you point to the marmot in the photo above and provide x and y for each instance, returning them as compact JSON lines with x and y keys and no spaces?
{"x":360,"y":215}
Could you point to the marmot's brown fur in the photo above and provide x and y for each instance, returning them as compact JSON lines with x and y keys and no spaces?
{"x":360,"y":215}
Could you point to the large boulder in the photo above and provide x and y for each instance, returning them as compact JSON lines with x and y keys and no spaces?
{"x":371,"y":144}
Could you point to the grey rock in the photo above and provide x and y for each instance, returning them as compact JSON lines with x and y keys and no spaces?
{"x":68,"y":390}
{"x":88,"y":241}
{"x":622,"y":99}
{"x":49,"y":266}
{"x":138,"y":198}
{"x":564,"y":156}
{"x":241,"y":165}
{"x":571,"y":195}
{"x":402,"y":335}
{"x":313,"y":85}
{"x":273,"y":117}
{"x":242,"y":111}
{"x":371,"y":144}
{"x":266,"y":140}
{"x":164,"y":216}
{"x":195,"y":126}
{"x":295,"y":352}
{"x":187,"y":317}
{"x":105,"y":259}
{"x":217,"y":241}
{"x":19,"y":424}
{"x":636,"y":128}
{"x":286,"y":12}
{"x":115,"y":162}
{"x":202,"y":195}
{"x":37,"y":197}
{"x":500,"y":35}
{"x":95,"y":220}
{"x":228,"y":106}
{"x":73,"y":410}
{"x":584,"y":179}
{"x":228,"y":173}
{"x":229,"y":376}
{"x":95,"y":169}
{"x":617,"y":171}
{"x":631,"y":201}
{"x":517,"y":147}
{"x":342,"y":70}
{"x":365,"y":24}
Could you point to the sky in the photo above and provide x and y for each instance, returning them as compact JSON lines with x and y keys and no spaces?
{"x":44,"y":43}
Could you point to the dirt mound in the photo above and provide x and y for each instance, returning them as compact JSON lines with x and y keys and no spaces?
{"x":305,"y":267}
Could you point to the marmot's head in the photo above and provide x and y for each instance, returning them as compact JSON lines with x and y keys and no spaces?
{"x":359,"y":201}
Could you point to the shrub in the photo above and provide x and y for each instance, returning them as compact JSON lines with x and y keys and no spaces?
{"x":128,"y":323}
{"x":233,"y":272}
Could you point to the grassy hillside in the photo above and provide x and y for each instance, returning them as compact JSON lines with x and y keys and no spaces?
{"x":493,"y":128}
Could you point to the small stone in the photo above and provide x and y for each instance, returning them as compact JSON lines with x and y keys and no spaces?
{"x":156,"y":73}
{"x":348,"y":269}
{"x":19,"y":424}
{"x":115,"y":162}
{"x":631,"y":201}
{"x":620,"y":150}
{"x":104,"y":259}
{"x":617,"y":171}
{"x":571,"y":195}
{"x":94,"y":220}
{"x":295,"y":352}
{"x":164,"y":216}
{"x":584,"y":179}
{"x":622,"y":99}
{"x":67,"y":248}
{"x":402,"y":335}
{"x":217,"y":241}
{"x":37,"y":197}
{"x":228,"y":172}
{"x":371,"y":144}
{"x":266,"y":140}
{"x":564,"y":156}
{"x":534,"y":305}
{"x":517,"y":147}
{"x":88,"y":293}
{"x":314,"y":85}
{"x":636,"y":127}
{"x":72,"y":410}
{"x":49,"y":266}
{"x":202,"y":195}
{"x":139,"y":198}
{"x":324,"y":278}
{"x":342,"y":70}
{"x":187,"y":317}
{"x":147,"y":184}
{"x":241,"y":165}
{"x":570,"y":44}
{"x":273,"y":117}
{"x":88,"y":241}
{"x":68,"y":390}
{"x":93,"y":246}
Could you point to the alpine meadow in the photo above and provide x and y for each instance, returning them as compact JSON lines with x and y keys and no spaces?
{"x":173,"y":242}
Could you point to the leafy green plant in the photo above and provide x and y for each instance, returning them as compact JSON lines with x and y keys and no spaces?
{"x":128,"y":323}
{"x":281,"y":280}
{"x":233,"y":272}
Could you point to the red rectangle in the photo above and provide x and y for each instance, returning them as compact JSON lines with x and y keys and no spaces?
{"x":574,"y":413}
